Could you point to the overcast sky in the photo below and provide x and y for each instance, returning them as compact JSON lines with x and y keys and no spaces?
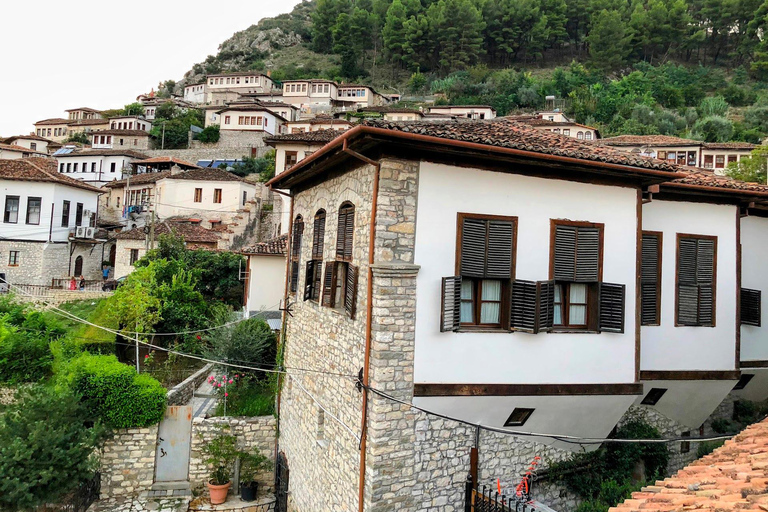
{"x":61,"y":55}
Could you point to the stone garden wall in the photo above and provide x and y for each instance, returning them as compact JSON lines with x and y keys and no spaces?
{"x":128,"y":462}
{"x":182,"y":393}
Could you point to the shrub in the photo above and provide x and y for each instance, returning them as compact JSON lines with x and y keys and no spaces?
{"x":24,"y":357}
{"x":115,"y":392}
{"x":210,"y":134}
{"x":46,"y":448}
{"x":708,"y":447}
{"x":251,"y":342}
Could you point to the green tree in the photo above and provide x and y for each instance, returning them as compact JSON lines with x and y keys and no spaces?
{"x":753,"y":168}
{"x":79,"y":137}
{"x":713,"y":106}
{"x":608,"y":42}
{"x":459,"y":27}
{"x":46,"y":448}
{"x":323,"y":19}
{"x":713,"y":129}
{"x":344,"y":44}
{"x":393,"y":32}
{"x":133,"y":109}
{"x":210,"y":134}
{"x":251,"y":341}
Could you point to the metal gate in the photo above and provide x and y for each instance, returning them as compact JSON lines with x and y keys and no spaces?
{"x":173,"y":442}
{"x":281,"y":483}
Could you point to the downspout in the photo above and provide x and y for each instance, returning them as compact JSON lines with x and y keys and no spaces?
{"x":369,"y":318}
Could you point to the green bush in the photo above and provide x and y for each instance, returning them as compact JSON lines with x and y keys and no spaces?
{"x":115,"y":392}
{"x":708,"y":447}
{"x":209,"y":134}
{"x":24,"y":357}
{"x":46,"y":448}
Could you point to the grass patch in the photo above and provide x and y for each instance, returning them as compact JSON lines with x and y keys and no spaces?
{"x":248,"y":398}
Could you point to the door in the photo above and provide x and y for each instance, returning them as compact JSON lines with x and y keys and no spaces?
{"x":112,"y":256}
{"x":173,"y":440}
{"x":78,"y":266}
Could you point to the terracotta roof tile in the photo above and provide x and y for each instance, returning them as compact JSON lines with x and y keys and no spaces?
{"x":103,"y":152}
{"x":40,"y":170}
{"x":20,"y":149}
{"x":391,"y":110}
{"x":10,"y":140}
{"x":191,"y":232}
{"x":729,"y":145}
{"x":647,"y":140}
{"x":206,"y":174}
{"x":733,"y":477}
{"x":318,"y":136}
{"x":707,"y":178}
{"x":276,"y":246}
{"x":56,"y":120}
{"x":166,"y":160}
{"x":139,"y":179}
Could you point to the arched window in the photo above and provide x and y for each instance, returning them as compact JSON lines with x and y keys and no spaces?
{"x":340,"y":276}
{"x":345,"y":232}
{"x":78,"y":266}
{"x":313,"y":281}
{"x":588,"y":135}
{"x":580,"y":135}
{"x":298,"y":231}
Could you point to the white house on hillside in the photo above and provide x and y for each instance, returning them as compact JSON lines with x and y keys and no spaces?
{"x":96,"y":166}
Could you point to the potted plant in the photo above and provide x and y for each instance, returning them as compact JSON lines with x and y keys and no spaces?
{"x":251,"y":464}
{"x":220,"y":454}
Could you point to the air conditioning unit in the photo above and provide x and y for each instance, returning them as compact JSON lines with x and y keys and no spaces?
{"x":90,"y":232}
{"x":80,"y":232}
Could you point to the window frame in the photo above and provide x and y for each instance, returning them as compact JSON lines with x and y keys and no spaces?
{"x":198,"y":198}
{"x":39,"y":210}
{"x":477,"y":289}
{"x":593,"y":288}
{"x":677,"y":278}
{"x":217,"y":193}
{"x":7,"y":212}
{"x":526,"y":413}
{"x":13,"y":258}
{"x":65,"y":213}
{"x":133,"y":256}
{"x":659,"y":258}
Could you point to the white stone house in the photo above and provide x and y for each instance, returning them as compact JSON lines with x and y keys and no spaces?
{"x":82,"y":113}
{"x":97,"y":166}
{"x":394,"y":113}
{"x":130,"y":123}
{"x":251,"y":118}
{"x":663,"y":147}
{"x":465,"y":111}
{"x":31,"y":142}
{"x":361,"y":95}
{"x":265,"y":275}
{"x":717,"y":155}
{"x":120,"y":139}
{"x":13,"y":151}
{"x":318,"y":123}
{"x":557,"y":122}
{"x":44,"y":221}
{"x":56,"y":129}
{"x":196,"y":93}
{"x":502,"y":290}
{"x":227,"y":87}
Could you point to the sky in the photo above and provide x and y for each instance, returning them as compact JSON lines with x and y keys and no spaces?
{"x":63,"y":55}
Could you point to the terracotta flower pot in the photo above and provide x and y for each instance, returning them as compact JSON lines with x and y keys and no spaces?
{"x":218,"y":493}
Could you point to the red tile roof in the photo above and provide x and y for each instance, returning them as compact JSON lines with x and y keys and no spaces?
{"x":191,"y":232}
{"x":20,"y":149}
{"x":729,"y":145}
{"x":648,"y":140}
{"x":10,"y":140}
{"x":103,"y":152}
{"x":707,"y":178}
{"x":205,"y":174}
{"x":391,"y":110}
{"x":275,"y":247}
{"x":139,"y":179}
{"x":316,"y":137}
{"x":56,"y":120}
{"x":166,"y":160}
{"x":40,"y":170}
{"x":733,"y":477}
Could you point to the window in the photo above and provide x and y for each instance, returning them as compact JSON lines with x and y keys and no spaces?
{"x":650,"y":279}
{"x":198,"y":195}
{"x":708,"y":159}
{"x":226,"y":119}
{"x":340,"y":276}
{"x":661,"y":155}
{"x":79,"y":214}
{"x":217,"y":195}
{"x":134,"y":256}
{"x":743,"y":381}
{"x":33,"y":210}
{"x":576,"y":263}
{"x":653,"y":396}
{"x":692,"y":158}
{"x":13,"y":259}
{"x":245,"y":197}
{"x":518,"y":417}
{"x":719,"y":161}
{"x":69,"y":167}
{"x":345,"y":232}
{"x":731,"y":158}
{"x":93,"y":166}
{"x":11,"y":215}
{"x":751,"y":307}
{"x":486,"y":266}
{"x":685,"y":446}
{"x":696,"y":270}
{"x":112,"y":167}
{"x":65,"y":214}
{"x":291,"y":157}
{"x":297,"y":232}
{"x":567,"y":132}
{"x":313,"y":283}
{"x":681,"y":158}
{"x":33,"y":146}
{"x":580,"y":135}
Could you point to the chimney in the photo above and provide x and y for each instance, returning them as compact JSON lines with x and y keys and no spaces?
{"x":269,"y":72}
{"x":175,"y":170}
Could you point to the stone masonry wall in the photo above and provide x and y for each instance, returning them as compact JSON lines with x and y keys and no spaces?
{"x":128,"y":462}
{"x":323,"y":455}
{"x":232,"y":145}
{"x":182,"y":392}
{"x":235,"y":139}
{"x":252,"y":433}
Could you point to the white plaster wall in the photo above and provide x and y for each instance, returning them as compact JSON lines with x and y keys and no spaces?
{"x":666,"y":347}
{"x":266,"y":282}
{"x":103,"y":173}
{"x":273,"y":124}
{"x":52,"y":196}
{"x":10,"y":155}
{"x":463,"y":111}
{"x":754,"y":275}
{"x":41,"y":145}
{"x":757,"y":388}
{"x":581,"y":416}
{"x":689,"y":402}
{"x":177,"y":197}
{"x":519,"y":357}
{"x":301,"y":153}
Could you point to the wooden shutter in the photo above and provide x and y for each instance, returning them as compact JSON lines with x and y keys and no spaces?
{"x":450,"y":314}
{"x":298,"y":230}
{"x":309,"y":280}
{"x":329,"y":278}
{"x":317,"y":282}
{"x":649,"y":280}
{"x":522,"y":316}
{"x":546,"y":305}
{"x":350,"y":291}
{"x":345,"y":232}
{"x":340,"y":230}
{"x":751,"y":312}
{"x":294,"y":276}
{"x":587,"y":255}
{"x":706,"y":304}
{"x":696,"y":281}
{"x":318,"y":236}
{"x":687,"y":304}
{"x":473,"y":236}
{"x":499,"y":256}
{"x":611,"y":313}
{"x":565,"y":253}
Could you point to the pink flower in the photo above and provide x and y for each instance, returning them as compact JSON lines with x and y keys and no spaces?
{"x":146,"y":356}
{"x":237,"y":376}
{"x":226,"y":394}
{"x":230,"y":381}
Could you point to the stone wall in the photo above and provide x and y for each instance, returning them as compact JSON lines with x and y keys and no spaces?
{"x":252,"y":433}
{"x":235,"y":139}
{"x":40,"y":262}
{"x":182,"y":392}
{"x":232,"y":145}
{"x":128,"y":462}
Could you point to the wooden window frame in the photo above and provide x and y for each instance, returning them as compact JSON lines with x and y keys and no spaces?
{"x":590,"y":323}
{"x":677,"y":278}
{"x":341,"y":250}
{"x":65,"y":212}
{"x":13,"y":258}
{"x":659,"y":255}
{"x":7,"y":212}
{"x":131,"y":259}
{"x":505,"y":303}
{"x":593,"y":288}
{"x":217,"y":193}
{"x":297,"y":235}
{"x":198,"y":195}
{"x":29,"y":210}
{"x":525,"y":412}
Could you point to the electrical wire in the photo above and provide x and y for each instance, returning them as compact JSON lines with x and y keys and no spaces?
{"x":347,"y":427}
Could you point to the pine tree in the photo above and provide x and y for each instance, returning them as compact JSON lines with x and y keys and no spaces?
{"x":323,"y":20}
{"x":344,"y":44}
{"x":608,"y":43}
{"x":459,"y":30}
{"x":393,"y":32}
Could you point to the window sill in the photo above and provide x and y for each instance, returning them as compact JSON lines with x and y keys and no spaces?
{"x":484,"y":329}
{"x":573,"y":331}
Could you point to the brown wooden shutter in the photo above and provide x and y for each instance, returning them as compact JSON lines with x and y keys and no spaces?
{"x":345,"y":233}
{"x":298,"y":230}
{"x":318,"y":236}
{"x":473,"y":236}
{"x":317,"y":280}
{"x":498,"y":263}
{"x":565,"y":253}
{"x":587,"y":255}
{"x":706,"y":304}
{"x":329,"y":278}
{"x":523,"y":307}
{"x":294,"y":276}
{"x":695,"y":277}
{"x":546,"y":306}
{"x":450,"y":314}
{"x":350,"y":291}
{"x":611,"y":312}
{"x":309,"y":280}
{"x":751,"y":310}
{"x":649,"y":280}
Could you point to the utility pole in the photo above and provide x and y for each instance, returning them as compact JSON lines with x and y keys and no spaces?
{"x":162,"y":144}
{"x":152,"y":228}
{"x":136,"y":326}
